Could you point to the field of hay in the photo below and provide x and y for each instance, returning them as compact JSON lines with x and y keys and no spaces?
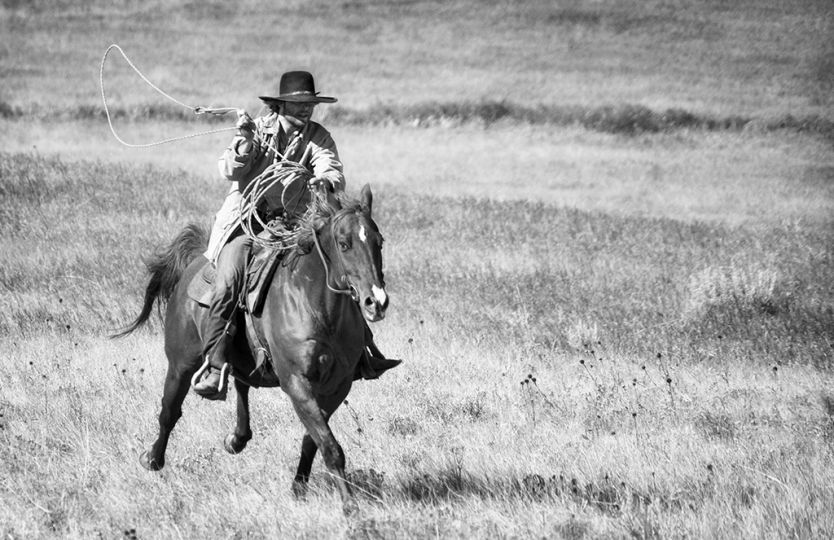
{"x":609,"y":243}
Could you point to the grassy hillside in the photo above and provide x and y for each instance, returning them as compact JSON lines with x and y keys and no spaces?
{"x":751,"y":59}
{"x":567,"y":373}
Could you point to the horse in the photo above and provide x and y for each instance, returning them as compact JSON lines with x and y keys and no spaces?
{"x":312,"y":323}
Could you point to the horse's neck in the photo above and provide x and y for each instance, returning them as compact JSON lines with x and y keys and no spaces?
{"x":318,"y":280}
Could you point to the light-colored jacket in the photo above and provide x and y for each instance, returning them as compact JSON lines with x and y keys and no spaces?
{"x":312,"y":147}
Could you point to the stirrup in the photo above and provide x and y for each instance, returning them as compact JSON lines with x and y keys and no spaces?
{"x":224,"y":374}
{"x":199,"y":373}
{"x":224,"y":371}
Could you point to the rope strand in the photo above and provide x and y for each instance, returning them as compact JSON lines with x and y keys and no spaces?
{"x":286,"y":236}
{"x":286,"y":173}
{"x":197,"y":110}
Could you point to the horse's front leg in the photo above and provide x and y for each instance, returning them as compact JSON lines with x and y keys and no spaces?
{"x":314,"y":417}
{"x":305,"y":464}
{"x":236,"y":441}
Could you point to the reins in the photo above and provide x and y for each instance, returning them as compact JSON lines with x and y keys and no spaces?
{"x":218,"y":111}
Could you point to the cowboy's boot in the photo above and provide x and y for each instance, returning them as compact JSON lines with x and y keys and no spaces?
{"x":214,"y":384}
{"x":371,"y":366}
{"x":373,"y":362}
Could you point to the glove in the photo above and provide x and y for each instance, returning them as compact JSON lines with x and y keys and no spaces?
{"x":244,"y":140}
{"x":319,"y":182}
{"x":245,"y":125}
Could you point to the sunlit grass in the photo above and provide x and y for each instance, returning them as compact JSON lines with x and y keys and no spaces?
{"x":751,"y":178}
{"x":566,"y":371}
{"x":608,"y":248}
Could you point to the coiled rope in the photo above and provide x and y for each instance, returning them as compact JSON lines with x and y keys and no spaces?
{"x":286,"y":173}
{"x":197,"y":109}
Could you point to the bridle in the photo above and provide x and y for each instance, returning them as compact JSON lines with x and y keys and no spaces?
{"x":350,"y":290}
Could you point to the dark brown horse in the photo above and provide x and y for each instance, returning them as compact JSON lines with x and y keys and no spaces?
{"x":311,"y":324}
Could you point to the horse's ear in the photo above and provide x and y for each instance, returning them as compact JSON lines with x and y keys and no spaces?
{"x":366,"y":199}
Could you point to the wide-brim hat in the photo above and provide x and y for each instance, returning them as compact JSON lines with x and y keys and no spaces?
{"x":298,"y":86}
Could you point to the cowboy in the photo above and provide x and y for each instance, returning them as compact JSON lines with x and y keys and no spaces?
{"x":285,"y":132}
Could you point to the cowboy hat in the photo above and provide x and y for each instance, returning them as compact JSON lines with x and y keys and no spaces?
{"x":298,"y":86}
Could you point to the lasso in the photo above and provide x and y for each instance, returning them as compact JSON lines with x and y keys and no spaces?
{"x":197,"y":109}
{"x":285,"y":173}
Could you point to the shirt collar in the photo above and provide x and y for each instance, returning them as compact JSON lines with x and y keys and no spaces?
{"x":283,"y":123}
{"x":273,"y":126}
{"x":270,"y":124}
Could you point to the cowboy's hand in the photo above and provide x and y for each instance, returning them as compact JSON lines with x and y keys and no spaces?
{"x":319,"y":182}
{"x":245,"y":125}
{"x":245,"y":139}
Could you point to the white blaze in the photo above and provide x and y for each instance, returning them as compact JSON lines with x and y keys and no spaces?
{"x":379,"y":294}
{"x":362,"y":235}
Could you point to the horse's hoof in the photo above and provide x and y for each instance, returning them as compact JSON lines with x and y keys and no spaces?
{"x":150,"y":463}
{"x":299,"y":489}
{"x":233,"y":444}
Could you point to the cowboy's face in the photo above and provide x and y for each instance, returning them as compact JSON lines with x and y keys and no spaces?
{"x":297,"y":113}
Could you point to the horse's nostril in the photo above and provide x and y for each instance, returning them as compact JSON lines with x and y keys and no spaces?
{"x":369,"y":302}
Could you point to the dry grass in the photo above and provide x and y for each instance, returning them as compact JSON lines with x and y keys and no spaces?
{"x":575,"y":394}
{"x":605,"y":448}
{"x":604,"y":335}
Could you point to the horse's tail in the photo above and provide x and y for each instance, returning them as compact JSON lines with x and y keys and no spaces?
{"x":165,"y":268}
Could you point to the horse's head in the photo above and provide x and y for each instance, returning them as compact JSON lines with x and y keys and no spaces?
{"x":359,"y":244}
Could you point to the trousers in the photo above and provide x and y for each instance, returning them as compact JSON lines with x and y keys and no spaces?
{"x":228,"y":285}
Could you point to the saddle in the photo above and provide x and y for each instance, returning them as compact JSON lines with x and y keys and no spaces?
{"x":259,"y":270}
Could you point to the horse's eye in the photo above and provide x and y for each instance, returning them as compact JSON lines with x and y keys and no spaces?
{"x":343,"y":245}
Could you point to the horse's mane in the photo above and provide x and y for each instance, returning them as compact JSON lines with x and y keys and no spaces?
{"x":323,"y":207}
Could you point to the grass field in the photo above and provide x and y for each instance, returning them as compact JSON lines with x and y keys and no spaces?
{"x":608,"y":330}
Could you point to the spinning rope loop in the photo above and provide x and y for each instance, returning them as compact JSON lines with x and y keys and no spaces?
{"x":197,"y":109}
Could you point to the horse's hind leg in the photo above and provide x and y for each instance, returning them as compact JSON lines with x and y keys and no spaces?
{"x":176,"y":387}
{"x":236,"y":441}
